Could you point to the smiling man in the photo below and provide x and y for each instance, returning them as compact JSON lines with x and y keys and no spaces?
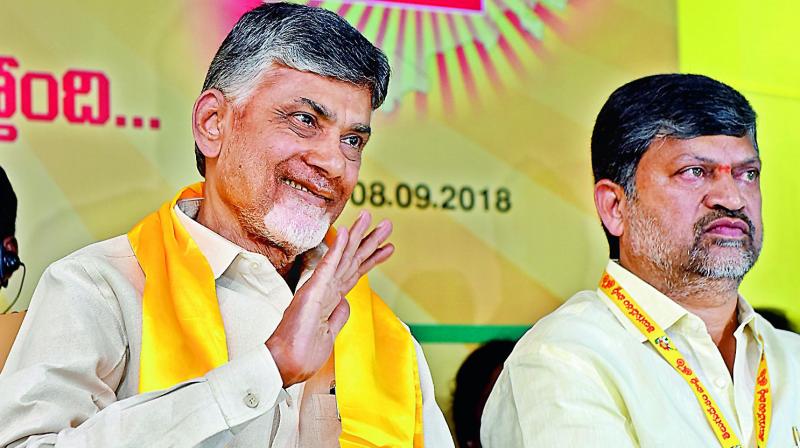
{"x":219,"y":320}
{"x":665,"y":353}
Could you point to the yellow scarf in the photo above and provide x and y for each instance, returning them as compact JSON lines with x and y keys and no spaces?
{"x":377,"y":381}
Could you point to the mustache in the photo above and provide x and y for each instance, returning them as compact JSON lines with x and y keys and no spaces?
{"x":718,"y":213}
{"x":310,"y":175}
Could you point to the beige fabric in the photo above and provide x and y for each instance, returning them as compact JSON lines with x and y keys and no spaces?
{"x":319,"y":418}
{"x":9,"y":327}
{"x":585,"y":376}
{"x":71,"y":379}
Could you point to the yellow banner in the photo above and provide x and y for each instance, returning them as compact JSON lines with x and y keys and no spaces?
{"x":480,"y":155}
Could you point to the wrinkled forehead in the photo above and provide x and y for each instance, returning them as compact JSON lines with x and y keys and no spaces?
{"x":344,"y":100}
{"x":712,"y":149}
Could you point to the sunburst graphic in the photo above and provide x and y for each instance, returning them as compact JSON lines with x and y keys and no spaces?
{"x":443,"y":47}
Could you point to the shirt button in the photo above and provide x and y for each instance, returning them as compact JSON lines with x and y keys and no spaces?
{"x":289,"y":401}
{"x":251,"y":400}
{"x":720,"y":382}
{"x":254,"y":266}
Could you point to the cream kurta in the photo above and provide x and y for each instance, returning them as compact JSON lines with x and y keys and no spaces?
{"x":71,"y":379}
{"x":584,"y":376}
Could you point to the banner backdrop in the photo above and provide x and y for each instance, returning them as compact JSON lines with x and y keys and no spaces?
{"x":480,"y":155}
{"x":755,"y":50}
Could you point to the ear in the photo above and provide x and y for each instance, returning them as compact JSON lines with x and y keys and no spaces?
{"x":211,"y":118}
{"x":10,"y":244}
{"x":610,"y":200}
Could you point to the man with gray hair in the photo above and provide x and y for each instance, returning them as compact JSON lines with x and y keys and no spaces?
{"x":665,"y":353}
{"x":219,"y":320}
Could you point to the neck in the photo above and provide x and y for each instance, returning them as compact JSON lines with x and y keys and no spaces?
{"x":715,"y":301}
{"x":720,"y":317}
{"x":217,"y":216}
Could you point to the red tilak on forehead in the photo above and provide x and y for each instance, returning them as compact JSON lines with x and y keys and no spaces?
{"x":724,"y":169}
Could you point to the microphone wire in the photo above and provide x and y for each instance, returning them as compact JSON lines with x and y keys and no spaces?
{"x":19,"y":291}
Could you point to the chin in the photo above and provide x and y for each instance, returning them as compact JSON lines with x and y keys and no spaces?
{"x":727,"y":262}
{"x":297,"y":228}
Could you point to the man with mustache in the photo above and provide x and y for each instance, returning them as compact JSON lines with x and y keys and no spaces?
{"x":665,"y":353}
{"x":224,"y":319}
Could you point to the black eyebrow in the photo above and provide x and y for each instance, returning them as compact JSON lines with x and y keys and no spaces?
{"x":362,"y":129}
{"x":702,"y":159}
{"x":318,"y":108}
{"x":755,"y":159}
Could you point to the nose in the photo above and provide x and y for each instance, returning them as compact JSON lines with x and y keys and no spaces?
{"x":725,"y":192}
{"x":327,"y":157}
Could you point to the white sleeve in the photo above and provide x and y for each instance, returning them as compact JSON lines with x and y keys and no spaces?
{"x":58,"y":386}
{"x":552,"y":397}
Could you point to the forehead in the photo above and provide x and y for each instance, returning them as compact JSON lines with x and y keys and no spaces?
{"x":280,"y":84}
{"x":713,"y":148}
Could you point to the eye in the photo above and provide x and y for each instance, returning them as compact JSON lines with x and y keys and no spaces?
{"x":751,"y":175}
{"x":304,"y":118}
{"x":693,"y":172}
{"x":353,"y":140}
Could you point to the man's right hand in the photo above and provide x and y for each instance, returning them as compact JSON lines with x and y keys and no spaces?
{"x":303,"y":340}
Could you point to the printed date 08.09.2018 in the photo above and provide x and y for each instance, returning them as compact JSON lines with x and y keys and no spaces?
{"x":422,"y":196}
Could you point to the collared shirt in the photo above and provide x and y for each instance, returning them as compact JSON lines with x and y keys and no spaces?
{"x":72,"y":376}
{"x":585,"y":376}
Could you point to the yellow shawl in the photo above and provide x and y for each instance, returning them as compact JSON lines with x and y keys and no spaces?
{"x":377,"y":381}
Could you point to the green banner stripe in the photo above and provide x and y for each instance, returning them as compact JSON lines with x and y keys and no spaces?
{"x":434,"y":333}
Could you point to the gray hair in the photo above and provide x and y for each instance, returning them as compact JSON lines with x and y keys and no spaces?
{"x":308,"y":39}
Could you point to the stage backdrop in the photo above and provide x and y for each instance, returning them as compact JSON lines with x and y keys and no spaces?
{"x":480,"y":154}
